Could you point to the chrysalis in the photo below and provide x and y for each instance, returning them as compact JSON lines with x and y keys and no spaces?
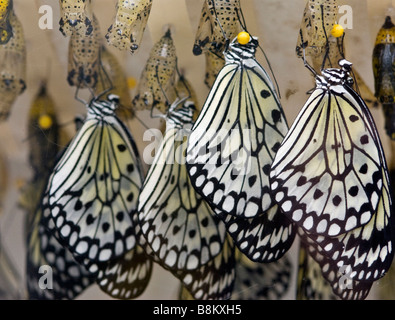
{"x":84,"y":58}
{"x":219,"y":21}
{"x":43,"y":142}
{"x":214,"y":64}
{"x":130,"y":22}
{"x":384,"y":75}
{"x":157,"y":81}
{"x":318,"y":20}
{"x":76,"y":17}
{"x":12,"y":68}
{"x":111,"y":68}
{"x":6,"y":7}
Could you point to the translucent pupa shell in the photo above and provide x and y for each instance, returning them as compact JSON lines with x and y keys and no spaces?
{"x":157,"y":81}
{"x":84,"y":58}
{"x":112,"y":69}
{"x":6,"y":7}
{"x":214,"y":64}
{"x":129,"y":24}
{"x":219,"y":21}
{"x":76,"y":16}
{"x":12,"y":68}
{"x":319,"y":17}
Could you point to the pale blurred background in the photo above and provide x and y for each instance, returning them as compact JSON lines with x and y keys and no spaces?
{"x":275,"y":22}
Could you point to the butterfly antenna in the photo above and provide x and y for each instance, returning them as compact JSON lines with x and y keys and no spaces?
{"x":217,"y":55}
{"x":271,"y":71}
{"x":142,"y":122}
{"x":307,"y":65}
{"x":340,"y":45}
{"x":241,"y":18}
{"x":106,"y":77}
{"x":182,"y":79}
{"x":326,"y":56}
{"x":76,"y":97}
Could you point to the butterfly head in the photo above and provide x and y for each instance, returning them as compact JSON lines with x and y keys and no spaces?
{"x":104,"y":107}
{"x":242,"y":47}
{"x":183,"y":115}
{"x":335,"y":76}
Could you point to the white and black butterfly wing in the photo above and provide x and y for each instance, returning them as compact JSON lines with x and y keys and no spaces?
{"x":177,"y":223}
{"x":311,"y":285}
{"x":261,"y":281}
{"x":366,"y":251}
{"x":92,"y":192}
{"x":126,"y":277}
{"x":341,"y":280}
{"x":68,"y":278}
{"x":215,"y":280}
{"x":234,"y":140}
{"x":326,"y":175}
{"x":264,"y":238}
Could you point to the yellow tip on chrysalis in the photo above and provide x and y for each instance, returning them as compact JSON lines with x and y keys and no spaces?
{"x":337,"y":31}
{"x":243,"y":37}
{"x":131,"y":82}
{"x":45,"y":122}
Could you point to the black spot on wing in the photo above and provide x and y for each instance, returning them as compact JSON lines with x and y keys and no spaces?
{"x":265,"y":94}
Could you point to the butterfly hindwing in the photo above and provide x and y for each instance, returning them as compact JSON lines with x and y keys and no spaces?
{"x":265,"y":238}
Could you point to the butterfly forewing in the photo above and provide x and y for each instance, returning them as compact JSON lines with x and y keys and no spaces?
{"x":330,"y":177}
{"x":92,"y":192}
{"x":178,"y":224}
{"x":235,"y":138}
{"x":327,"y":174}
